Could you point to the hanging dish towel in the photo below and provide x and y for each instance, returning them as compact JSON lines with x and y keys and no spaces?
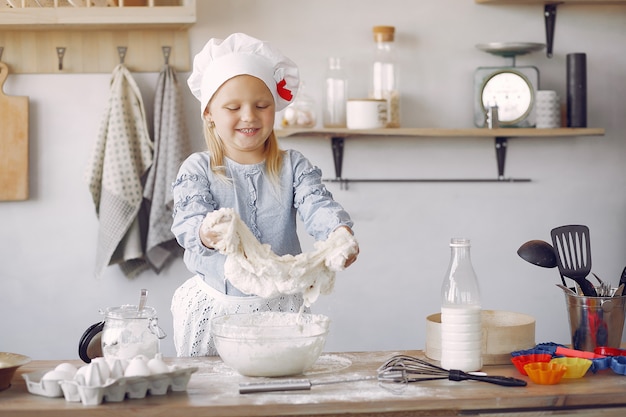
{"x":122,"y":156}
{"x":171,"y":146}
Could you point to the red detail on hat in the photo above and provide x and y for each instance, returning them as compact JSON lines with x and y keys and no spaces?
{"x":282,"y":91}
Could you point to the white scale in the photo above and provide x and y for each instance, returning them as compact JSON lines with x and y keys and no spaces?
{"x":511,"y":88}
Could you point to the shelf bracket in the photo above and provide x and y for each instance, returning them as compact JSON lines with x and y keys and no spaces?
{"x":338,"y":143}
{"x":501,"y":145}
{"x":549,"y":14}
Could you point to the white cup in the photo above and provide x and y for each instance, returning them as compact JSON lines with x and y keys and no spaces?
{"x":547,"y":110}
{"x":366,"y":113}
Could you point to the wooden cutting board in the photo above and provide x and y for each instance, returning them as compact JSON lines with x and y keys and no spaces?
{"x":13,"y":143}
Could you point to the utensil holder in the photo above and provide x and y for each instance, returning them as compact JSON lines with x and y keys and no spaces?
{"x":595,"y":321}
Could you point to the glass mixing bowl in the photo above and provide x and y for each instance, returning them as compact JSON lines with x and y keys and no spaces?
{"x":270,"y":344}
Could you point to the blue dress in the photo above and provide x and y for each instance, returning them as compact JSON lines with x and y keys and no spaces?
{"x":268,"y":209}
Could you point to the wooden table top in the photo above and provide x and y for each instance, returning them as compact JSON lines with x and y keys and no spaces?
{"x":214,"y":391}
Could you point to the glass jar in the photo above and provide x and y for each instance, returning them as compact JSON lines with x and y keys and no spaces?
{"x":461,"y":314}
{"x":300,"y":113}
{"x":129,"y":332}
{"x":335,"y":94}
{"x":384,"y":73}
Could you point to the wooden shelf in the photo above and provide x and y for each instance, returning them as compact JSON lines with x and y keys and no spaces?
{"x":173,"y":14}
{"x":549,"y":1}
{"x":30,"y":36}
{"x":500,"y":137}
{"x":447,"y":133}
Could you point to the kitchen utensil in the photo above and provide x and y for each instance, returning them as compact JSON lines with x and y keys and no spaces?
{"x":622,"y":279}
{"x":605,"y":289}
{"x":270,"y":344}
{"x":545,"y":373}
{"x":292,"y":384}
{"x":607,"y":351}
{"x":566,"y":289}
{"x":541,"y":253}
{"x":406,"y":369}
{"x":619,"y":291}
{"x":576,"y":367}
{"x":573,"y":249}
{"x":522,"y":360}
{"x":143,"y":298}
{"x":538,"y":252}
{"x":13,"y":144}
{"x":595,"y":321}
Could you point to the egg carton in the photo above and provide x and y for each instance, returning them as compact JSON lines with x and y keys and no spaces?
{"x":114,"y":390}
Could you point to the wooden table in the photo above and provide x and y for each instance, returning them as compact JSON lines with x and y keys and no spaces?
{"x":214,"y":391}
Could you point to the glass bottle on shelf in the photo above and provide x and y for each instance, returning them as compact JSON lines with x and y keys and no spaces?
{"x":461,"y":314}
{"x":300,"y":113}
{"x":335,"y":94}
{"x":384,"y":73}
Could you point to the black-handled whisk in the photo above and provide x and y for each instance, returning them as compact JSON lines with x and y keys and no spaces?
{"x":406,"y":369}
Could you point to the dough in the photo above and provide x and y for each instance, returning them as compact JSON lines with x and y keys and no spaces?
{"x":255,"y":269}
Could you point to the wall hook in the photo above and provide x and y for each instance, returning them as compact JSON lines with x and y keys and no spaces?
{"x":60,"y":55}
{"x":121,"y":51}
{"x":167,"y":50}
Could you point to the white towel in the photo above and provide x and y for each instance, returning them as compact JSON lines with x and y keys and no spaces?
{"x":171,"y":146}
{"x":122,"y":155}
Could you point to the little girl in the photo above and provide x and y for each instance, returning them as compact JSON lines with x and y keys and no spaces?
{"x":241,"y":82}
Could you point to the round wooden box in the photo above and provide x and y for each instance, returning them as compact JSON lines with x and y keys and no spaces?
{"x":503,"y":333}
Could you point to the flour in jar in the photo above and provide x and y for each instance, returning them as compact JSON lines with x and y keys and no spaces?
{"x":255,"y":269}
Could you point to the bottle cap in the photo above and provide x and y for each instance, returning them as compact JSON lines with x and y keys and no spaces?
{"x":384,"y":33}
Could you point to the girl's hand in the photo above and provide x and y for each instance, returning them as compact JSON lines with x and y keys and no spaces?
{"x":352,"y":258}
{"x":210,"y":238}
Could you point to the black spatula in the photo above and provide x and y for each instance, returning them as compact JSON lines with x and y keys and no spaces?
{"x":573,"y":248}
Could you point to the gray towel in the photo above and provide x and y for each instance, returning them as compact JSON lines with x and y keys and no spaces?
{"x":122,"y":155}
{"x":171,"y":146}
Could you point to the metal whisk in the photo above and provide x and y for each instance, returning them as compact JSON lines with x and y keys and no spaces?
{"x":405,"y":369}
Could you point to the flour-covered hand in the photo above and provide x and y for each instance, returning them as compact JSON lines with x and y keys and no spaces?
{"x":216,"y":229}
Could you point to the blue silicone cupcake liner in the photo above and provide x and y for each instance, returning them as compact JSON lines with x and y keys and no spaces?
{"x":618,"y":364}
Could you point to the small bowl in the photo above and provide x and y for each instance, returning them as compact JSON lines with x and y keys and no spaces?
{"x":576,"y":367}
{"x":521,"y":360}
{"x":9,"y":362}
{"x":270,"y":344}
{"x":609,"y":351}
{"x":545,"y":373}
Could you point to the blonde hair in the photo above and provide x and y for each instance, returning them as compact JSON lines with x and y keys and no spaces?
{"x":273,"y":153}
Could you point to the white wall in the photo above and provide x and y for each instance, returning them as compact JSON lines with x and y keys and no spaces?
{"x":48,"y":293}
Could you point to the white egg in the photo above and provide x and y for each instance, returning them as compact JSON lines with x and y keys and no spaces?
{"x":157,"y":366}
{"x":57,"y":375}
{"x":137,"y":367}
{"x":67,"y":367}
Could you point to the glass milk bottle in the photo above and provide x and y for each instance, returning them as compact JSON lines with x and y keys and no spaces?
{"x":384,"y":73}
{"x":335,"y":94}
{"x":461,"y":316}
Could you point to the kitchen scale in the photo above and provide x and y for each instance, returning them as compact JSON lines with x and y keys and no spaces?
{"x":509,"y":87}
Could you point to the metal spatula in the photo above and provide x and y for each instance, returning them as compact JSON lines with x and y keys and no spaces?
{"x":573,"y":249}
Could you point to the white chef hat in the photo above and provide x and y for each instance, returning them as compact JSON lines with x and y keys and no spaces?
{"x":239,"y":54}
